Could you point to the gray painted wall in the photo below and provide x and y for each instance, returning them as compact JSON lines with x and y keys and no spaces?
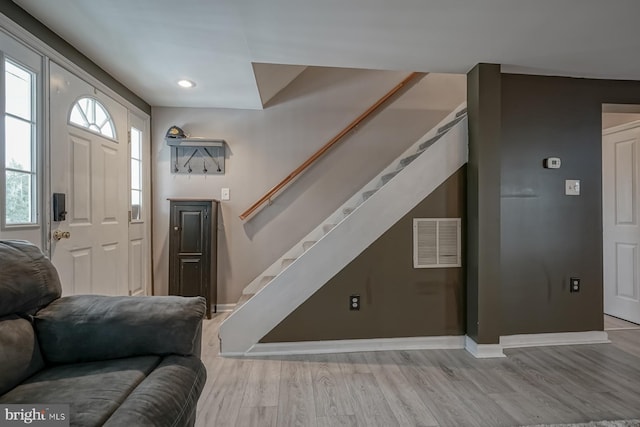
{"x":265,"y":146}
{"x":545,"y":236}
{"x":397,"y":300}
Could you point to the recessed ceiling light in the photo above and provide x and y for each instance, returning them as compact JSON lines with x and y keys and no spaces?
{"x":186,"y":83}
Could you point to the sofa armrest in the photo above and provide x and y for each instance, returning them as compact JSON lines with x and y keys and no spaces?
{"x":93,"y":327}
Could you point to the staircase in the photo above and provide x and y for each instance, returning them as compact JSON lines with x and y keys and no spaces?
{"x":311,"y":263}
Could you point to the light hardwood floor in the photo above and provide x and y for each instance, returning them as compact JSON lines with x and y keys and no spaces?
{"x":561,"y":384}
{"x":613,"y":323}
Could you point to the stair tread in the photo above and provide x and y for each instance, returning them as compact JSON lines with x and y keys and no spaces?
{"x":387,"y":177}
{"x":328,"y":227}
{"x":286,"y":262}
{"x":404,"y":162}
{"x":243,"y":299}
{"x":452,"y":123}
{"x":266,"y":279}
{"x":306,"y":245}
{"x":369,"y":193}
{"x":430,"y":141}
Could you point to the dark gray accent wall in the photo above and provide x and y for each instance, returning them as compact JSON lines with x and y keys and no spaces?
{"x":546,"y":236}
{"x":543,"y":237}
{"x":397,"y":299}
{"x":483,"y":204}
{"x":39,"y":30}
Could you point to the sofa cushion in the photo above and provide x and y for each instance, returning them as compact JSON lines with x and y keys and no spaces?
{"x":19,"y":352}
{"x":94,"y":390}
{"x":92,"y":327}
{"x":167,"y":397}
{"x":28,"y":280}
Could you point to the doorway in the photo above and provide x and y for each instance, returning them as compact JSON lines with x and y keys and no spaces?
{"x":89,"y":163}
{"x":621,"y":213}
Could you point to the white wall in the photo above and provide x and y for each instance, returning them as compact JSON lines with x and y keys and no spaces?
{"x":264,"y":146}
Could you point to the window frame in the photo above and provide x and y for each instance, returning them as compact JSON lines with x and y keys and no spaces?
{"x":141,"y":190}
{"x":95,"y":101}
{"x":36,"y":122}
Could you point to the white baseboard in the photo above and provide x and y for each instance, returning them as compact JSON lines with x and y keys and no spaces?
{"x":224,"y":308}
{"x":350,"y":346}
{"x":483,"y":351}
{"x":559,"y":338}
{"x":480,"y":351}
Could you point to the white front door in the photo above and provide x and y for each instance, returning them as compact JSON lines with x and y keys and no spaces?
{"x":89,"y":164}
{"x":621,"y":228}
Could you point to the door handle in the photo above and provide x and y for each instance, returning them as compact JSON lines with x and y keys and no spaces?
{"x":57,"y":235}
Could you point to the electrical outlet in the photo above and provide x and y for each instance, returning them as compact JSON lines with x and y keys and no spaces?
{"x":574,"y":284}
{"x":224,"y":194}
{"x":354,"y":302}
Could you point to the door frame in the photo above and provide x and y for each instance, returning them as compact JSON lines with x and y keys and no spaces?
{"x":131,"y":110}
{"x":632,"y":123}
{"x":49,"y":54}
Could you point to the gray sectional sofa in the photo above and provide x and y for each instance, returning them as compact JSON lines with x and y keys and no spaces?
{"x":117,"y":361}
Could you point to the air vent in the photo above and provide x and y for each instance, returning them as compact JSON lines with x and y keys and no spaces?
{"x":436,"y":242}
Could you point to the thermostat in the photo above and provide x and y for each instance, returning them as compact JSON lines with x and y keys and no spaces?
{"x":552,"y":163}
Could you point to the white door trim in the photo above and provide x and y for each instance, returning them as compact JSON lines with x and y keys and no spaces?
{"x":620,"y":220}
{"x":620,"y":128}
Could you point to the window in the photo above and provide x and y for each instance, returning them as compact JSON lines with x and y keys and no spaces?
{"x":20,"y":148}
{"x":90,"y":114}
{"x":136,"y":174}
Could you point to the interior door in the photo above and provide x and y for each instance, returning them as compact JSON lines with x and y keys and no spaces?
{"x":621,"y":231}
{"x":89,"y":165}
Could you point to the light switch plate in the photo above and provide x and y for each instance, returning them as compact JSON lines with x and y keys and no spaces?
{"x":224,"y":194}
{"x":572,"y":187}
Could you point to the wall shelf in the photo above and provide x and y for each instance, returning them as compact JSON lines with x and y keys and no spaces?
{"x":198,"y":156}
{"x":195,"y":142}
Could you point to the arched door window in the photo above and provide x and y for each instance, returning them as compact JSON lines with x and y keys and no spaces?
{"x":90,"y":114}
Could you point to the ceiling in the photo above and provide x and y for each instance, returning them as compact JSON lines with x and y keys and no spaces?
{"x":233,"y":49}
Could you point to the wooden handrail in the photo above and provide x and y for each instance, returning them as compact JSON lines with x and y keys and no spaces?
{"x":327,"y":146}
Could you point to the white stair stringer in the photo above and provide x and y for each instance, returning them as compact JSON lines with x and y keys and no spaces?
{"x":350,"y":237}
{"x":382,"y":179}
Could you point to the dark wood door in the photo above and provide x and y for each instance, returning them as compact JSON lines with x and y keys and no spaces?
{"x":190,"y":246}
